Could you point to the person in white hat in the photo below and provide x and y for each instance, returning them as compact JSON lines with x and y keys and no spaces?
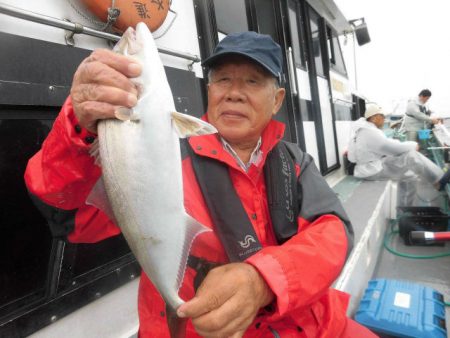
{"x":378,"y":157}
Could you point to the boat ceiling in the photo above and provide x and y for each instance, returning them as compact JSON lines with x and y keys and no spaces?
{"x":332,"y":14}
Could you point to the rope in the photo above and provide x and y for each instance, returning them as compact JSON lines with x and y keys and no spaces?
{"x":113,"y":14}
{"x":84,"y":16}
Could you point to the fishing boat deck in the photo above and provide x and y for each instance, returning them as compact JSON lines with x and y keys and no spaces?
{"x":372,"y":210}
{"x":113,"y":315}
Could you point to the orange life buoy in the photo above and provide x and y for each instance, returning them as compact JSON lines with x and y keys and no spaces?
{"x":152,"y":12}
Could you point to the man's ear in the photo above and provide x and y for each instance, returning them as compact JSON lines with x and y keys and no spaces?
{"x":279,"y":98}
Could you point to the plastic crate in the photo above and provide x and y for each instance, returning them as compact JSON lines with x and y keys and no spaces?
{"x":420,"y":211}
{"x":421,"y":219}
{"x":395,"y":308}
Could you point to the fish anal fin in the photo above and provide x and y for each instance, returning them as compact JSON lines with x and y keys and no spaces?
{"x":98,"y":198}
{"x":187,"y":125}
{"x":194,"y":228}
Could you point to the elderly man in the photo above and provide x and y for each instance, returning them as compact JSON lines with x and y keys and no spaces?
{"x":380,"y":158}
{"x":279,"y":288}
{"x":417,"y":115}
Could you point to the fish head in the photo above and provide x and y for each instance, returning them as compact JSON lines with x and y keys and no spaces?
{"x":133,"y":44}
{"x":152,"y":83}
{"x":130,"y":43}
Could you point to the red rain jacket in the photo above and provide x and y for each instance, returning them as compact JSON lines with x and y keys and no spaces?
{"x":299,"y":272}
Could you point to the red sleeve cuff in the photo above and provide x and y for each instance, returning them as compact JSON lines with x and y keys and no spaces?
{"x":272,"y":272}
{"x":78,"y":134}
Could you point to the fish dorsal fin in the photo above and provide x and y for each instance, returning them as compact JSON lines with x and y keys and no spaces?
{"x":187,"y":125}
{"x":98,"y":198}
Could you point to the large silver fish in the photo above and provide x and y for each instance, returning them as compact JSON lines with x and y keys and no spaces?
{"x":141,"y":172}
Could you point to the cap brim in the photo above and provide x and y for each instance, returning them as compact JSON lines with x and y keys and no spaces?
{"x":208,"y":62}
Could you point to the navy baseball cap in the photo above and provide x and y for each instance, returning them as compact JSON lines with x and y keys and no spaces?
{"x":258,"y":47}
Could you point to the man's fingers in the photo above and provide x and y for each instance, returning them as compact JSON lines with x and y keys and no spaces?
{"x":101,"y":74}
{"x":211,"y":294}
{"x":91,"y":111}
{"x":225,"y":320}
{"x":231,"y":329}
{"x":198,"y":306}
{"x":201,"y":304}
{"x":111,"y":95}
{"x":101,"y":83}
{"x":227,"y":301}
{"x":121,"y":63}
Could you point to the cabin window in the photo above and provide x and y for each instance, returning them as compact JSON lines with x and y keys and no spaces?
{"x":314,"y":21}
{"x":359,"y":107}
{"x":297,"y":37}
{"x":343,"y":112}
{"x":330,"y":46}
{"x":42,"y":276}
{"x":25,"y":242}
{"x":30,"y":258}
{"x":306,"y":110}
{"x":335,"y":53}
{"x":231,"y":17}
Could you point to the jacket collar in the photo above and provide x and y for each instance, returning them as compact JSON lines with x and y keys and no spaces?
{"x":211,"y":146}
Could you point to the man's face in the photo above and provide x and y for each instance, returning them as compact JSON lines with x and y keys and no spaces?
{"x":242,"y":98}
{"x":378,"y":120}
{"x":423,"y":99}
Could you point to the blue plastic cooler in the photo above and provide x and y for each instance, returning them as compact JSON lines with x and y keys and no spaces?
{"x":402,"y":309}
{"x":424,"y":134}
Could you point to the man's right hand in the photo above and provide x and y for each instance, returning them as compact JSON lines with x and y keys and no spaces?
{"x":101,"y":85}
{"x":435,"y":121}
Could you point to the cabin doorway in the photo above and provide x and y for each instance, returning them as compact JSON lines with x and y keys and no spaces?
{"x":308,"y":64}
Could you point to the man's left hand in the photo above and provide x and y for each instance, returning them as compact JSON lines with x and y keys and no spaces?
{"x":227,"y":301}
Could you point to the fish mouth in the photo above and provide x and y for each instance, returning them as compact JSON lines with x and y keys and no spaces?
{"x":129,"y":44}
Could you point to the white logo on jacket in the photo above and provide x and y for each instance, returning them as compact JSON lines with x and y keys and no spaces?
{"x":247,"y":241}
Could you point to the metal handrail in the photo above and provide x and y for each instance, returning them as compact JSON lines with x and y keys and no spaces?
{"x":344,"y":101}
{"x":77,"y":28}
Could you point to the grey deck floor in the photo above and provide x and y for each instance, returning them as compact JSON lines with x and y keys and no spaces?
{"x":359,"y":199}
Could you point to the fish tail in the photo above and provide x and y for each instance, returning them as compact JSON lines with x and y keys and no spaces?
{"x":177,"y":325}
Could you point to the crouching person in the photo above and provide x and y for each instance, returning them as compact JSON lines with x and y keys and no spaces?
{"x":378,"y":157}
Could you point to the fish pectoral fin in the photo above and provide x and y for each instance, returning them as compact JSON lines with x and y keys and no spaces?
{"x":98,"y":198}
{"x":187,"y":125}
{"x":94,"y":151}
{"x":126,"y":114}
